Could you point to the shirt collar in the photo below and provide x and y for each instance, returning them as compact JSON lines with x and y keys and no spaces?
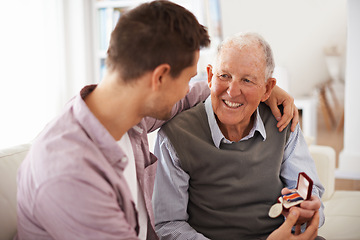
{"x":94,"y":129}
{"x":216,"y":133}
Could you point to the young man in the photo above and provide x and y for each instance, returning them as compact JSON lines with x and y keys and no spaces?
{"x":223,"y":163}
{"x":89,"y":174}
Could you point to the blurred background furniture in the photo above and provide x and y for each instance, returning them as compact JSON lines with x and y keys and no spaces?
{"x":308,"y":107}
{"x":327,"y":111}
{"x":331,"y":92}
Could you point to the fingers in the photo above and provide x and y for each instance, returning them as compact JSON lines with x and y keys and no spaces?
{"x":313,"y":204}
{"x":314,"y":222}
{"x":295,"y":119}
{"x":311,"y":231}
{"x":275,"y":111}
{"x":285,"y":119}
{"x":288,"y":114}
{"x":291,"y":219}
{"x":278,"y":97}
{"x":283,"y":122}
{"x":308,"y":209}
{"x":305,"y":215}
{"x":286,"y":191}
{"x":284,"y":231}
{"x":307,"y":212}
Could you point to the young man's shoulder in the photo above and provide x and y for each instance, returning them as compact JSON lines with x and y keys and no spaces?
{"x":63,"y":147}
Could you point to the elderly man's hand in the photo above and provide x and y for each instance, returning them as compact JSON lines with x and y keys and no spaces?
{"x":284,"y":231}
{"x":307,"y":208}
{"x":279,"y":96}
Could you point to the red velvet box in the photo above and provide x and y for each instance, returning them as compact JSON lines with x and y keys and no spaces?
{"x":303,"y":188}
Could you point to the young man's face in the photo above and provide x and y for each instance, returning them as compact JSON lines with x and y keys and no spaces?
{"x":176,"y":89}
{"x":237,"y":84}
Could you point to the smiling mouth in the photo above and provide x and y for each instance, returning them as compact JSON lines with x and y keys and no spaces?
{"x":232,"y":104}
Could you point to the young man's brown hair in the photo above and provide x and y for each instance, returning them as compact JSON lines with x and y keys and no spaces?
{"x":152,"y":34}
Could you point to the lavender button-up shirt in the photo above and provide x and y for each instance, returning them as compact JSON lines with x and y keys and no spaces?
{"x":71,"y":184}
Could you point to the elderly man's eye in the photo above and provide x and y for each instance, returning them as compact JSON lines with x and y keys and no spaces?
{"x":224,"y":76}
{"x":246,"y":80}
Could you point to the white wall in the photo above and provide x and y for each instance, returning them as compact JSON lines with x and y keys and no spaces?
{"x":45,"y":59}
{"x":298,"y":31}
{"x":31,"y":67}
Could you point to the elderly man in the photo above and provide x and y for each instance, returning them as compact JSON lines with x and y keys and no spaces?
{"x":223,"y":163}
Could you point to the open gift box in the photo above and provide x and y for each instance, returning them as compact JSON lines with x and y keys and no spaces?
{"x":300,"y":194}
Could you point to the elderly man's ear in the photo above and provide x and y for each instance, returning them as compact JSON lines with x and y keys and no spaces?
{"x":209,"y":74}
{"x":270,"y":84}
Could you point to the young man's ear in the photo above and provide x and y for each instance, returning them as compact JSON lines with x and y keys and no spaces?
{"x":160,"y":74}
{"x":270,"y":84}
{"x":209,"y":74}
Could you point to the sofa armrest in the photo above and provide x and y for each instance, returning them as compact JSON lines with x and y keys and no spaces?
{"x":10,"y":160}
{"x":324,"y":157}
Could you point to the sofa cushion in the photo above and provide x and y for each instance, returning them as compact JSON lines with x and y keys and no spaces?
{"x":324,"y":157}
{"x":10,"y":160}
{"x":342,"y":216}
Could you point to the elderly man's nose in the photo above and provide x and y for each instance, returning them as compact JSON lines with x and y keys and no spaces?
{"x":234,"y":89}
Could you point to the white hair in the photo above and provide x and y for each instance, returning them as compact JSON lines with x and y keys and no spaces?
{"x":246,"y":39}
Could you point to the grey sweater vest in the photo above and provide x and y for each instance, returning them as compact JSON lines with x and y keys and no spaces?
{"x":231,"y":189}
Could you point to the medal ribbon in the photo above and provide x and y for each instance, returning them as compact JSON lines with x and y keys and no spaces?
{"x":292,"y":197}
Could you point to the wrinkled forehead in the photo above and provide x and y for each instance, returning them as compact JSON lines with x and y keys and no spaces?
{"x":232,"y":51}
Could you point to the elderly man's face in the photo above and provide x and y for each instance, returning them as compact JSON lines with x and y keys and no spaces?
{"x":237,"y":84}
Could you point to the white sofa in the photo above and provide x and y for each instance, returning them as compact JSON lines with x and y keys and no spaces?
{"x":10,"y":160}
{"x":342,"y":208}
